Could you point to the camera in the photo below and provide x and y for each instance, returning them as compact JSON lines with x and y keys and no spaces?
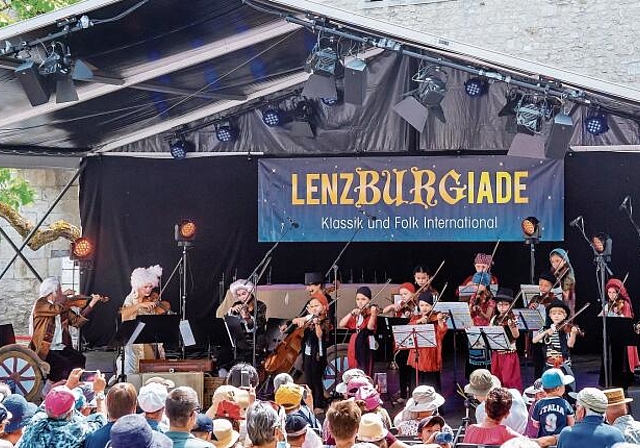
{"x":443,"y":437}
{"x":88,"y":376}
{"x":245,"y":378}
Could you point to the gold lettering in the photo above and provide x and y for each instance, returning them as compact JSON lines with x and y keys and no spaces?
{"x":311,"y":188}
{"x":329,"y":188}
{"x":344,"y":196}
{"x":295,"y":200}
{"x":519,"y":186}
{"x":419,"y":186}
{"x":471,"y":187}
{"x":484,"y":189}
{"x":386,"y":192}
{"x":503,"y":187}
{"x":367,"y":186}
{"x":444,"y":191}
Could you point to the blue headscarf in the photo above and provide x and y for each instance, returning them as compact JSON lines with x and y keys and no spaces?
{"x":561,"y":253}
{"x":481,"y":278}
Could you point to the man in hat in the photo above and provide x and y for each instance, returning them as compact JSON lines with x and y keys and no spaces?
{"x":203,"y":427}
{"x":132,"y":431}
{"x":49,"y":324}
{"x":151,"y":399}
{"x":224,"y":436}
{"x":289,"y":396}
{"x":590,"y":429}
{"x":618,"y":415}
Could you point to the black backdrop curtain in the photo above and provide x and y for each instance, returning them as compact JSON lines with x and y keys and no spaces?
{"x":130,"y":205}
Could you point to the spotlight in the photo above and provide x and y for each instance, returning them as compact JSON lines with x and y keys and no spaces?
{"x":602,"y":245}
{"x":425,"y":99}
{"x":81,"y":249}
{"x":531,"y":229}
{"x":185,"y":231}
{"x":301,"y":126}
{"x":530,"y":112}
{"x":179,"y":148}
{"x":272,"y":117}
{"x":476,"y":87}
{"x":596,"y":124}
{"x":226,"y":133}
{"x":323,"y":61}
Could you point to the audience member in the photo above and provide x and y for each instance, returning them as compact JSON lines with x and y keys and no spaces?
{"x":492,"y":431}
{"x":224,"y":436}
{"x":300,"y":434}
{"x":280,"y":379}
{"x":5,"y":416}
{"x":531,"y":396}
{"x":618,"y":415}
{"x":133,"y":431}
{"x":289,"y":396}
{"x":55,"y":428}
{"x":370,"y":399}
{"x":552,"y":413}
{"x":348,"y":375}
{"x":203,"y":427}
{"x":181,"y":408}
{"x":371,"y":429}
{"x":424,"y":402}
{"x":234,"y":377}
{"x":432,"y":430}
{"x":590,"y":429}
{"x":21,"y":413}
{"x":121,"y":401}
{"x":344,"y":420}
{"x":151,"y":399}
{"x":481,"y":381}
{"x":265,"y":427}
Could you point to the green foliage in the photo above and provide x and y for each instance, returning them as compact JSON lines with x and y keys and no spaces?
{"x":14,"y":190}
{"x":12,"y":11}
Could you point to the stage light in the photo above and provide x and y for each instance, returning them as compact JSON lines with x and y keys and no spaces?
{"x":332,"y":101}
{"x":596,"y":124}
{"x":476,"y":87}
{"x":323,"y":61}
{"x":302,"y":114}
{"x":185,"y":231}
{"x":272,"y":117}
{"x":432,"y":87}
{"x":178,"y":148}
{"x":81,"y":249}
{"x":531,"y":228}
{"x":226,"y":133}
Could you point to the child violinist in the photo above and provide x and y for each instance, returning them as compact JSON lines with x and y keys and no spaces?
{"x":540,"y":302}
{"x":317,"y":329}
{"x":563,"y":271}
{"x":362,"y":319}
{"x":482,"y":264}
{"x":481,"y":308}
{"x":428,"y":361}
{"x":505,"y":363}
{"x":557,"y":344}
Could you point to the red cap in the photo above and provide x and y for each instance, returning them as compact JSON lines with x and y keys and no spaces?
{"x":409,"y":287}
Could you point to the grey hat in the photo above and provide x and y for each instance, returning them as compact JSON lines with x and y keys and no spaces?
{"x":593,"y":399}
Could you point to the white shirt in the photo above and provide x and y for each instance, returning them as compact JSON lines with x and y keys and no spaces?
{"x":518,"y":416}
{"x":56,"y":343}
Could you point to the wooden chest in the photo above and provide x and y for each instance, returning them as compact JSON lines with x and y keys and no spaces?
{"x":176,"y":365}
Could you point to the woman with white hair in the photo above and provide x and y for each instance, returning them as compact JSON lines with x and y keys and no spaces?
{"x":245,"y":316}
{"x":139,"y":302}
{"x":265,"y":426}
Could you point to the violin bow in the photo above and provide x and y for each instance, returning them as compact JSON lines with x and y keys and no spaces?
{"x":515,"y":299}
{"x":437,"y":300}
{"x":568,"y":321}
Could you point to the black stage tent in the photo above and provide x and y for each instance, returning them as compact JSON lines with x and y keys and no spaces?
{"x":162,"y":70}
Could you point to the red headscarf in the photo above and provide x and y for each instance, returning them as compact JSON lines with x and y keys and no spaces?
{"x":409,"y":287}
{"x":622,"y":292}
{"x":321,"y":298}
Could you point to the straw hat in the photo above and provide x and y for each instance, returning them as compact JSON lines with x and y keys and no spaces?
{"x":225,"y":436}
{"x":424,"y":398}
{"x":616,"y":396}
{"x":371,"y":428}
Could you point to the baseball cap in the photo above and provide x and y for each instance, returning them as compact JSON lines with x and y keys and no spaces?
{"x":151,"y":397}
{"x":59,"y":401}
{"x":553,"y":378}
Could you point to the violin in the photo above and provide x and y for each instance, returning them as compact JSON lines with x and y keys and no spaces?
{"x":569,"y":326}
{"x":366,"y":310}
{"x":542,"y":299}
{"x":80,"y":301}
{"x":162,"y":306}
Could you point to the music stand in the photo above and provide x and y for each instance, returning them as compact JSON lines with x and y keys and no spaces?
{"x":529,"y":292}
{"x":465,"y":292}
{"x":529,"y":320}
{"x":414,"y":337}
{"x":164,"y":329}
{"x":384,"y":332}
{"x":127,"y":333}
{"x":460,"y":319}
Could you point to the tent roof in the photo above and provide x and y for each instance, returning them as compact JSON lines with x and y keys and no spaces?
{"x":159,"y":68}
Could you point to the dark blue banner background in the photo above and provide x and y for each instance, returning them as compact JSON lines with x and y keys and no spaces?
{"x":467,"y":198}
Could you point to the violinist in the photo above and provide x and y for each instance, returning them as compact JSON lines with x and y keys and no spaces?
{"x":482,"y":264}
{"x":49,"y":324}
{"x":428,"y":361}
{"x":242,"y":312}
{"x":422,"y":276}
{"x":316,"y":339}
{"x":505,"y":363}
{"x":481,"y":308}
{"x":140,"y":302}
{"x":314,"y":283}
{"x":557,"y":344}
{"x":362,"y":319}
{"x":546,"y":280}
{"x":563,"y":271}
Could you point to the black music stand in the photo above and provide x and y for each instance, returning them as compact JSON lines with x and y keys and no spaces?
{"x":414,"y":337}
{"x":621,"y":334}
{"x":163,"y":329}
{"x":127,"y":333}
{"x":384,"y":333}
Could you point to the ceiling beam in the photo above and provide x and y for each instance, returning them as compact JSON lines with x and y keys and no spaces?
{"x":154,"y":87}
{"x":154,"y":69}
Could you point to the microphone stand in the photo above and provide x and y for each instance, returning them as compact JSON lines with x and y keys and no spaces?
{"x":334,"y":268}
{"x":262,"y":267}
{"x":629,"y":212}
{"x":601,"y":279}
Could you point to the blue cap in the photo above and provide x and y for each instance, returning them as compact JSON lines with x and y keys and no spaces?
{"x":203,"y":424}
{"x":21,"y":412}
{"x":553,"y":378}
{"x":133,"y":430}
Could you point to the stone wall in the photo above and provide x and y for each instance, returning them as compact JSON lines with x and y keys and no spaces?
{"x":19,"y":287}
{"x":592,"y":37}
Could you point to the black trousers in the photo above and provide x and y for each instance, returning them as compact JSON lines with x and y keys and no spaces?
{"x":404,"y":373}
{"x":314,"y":373}
{"x":62,"y":362}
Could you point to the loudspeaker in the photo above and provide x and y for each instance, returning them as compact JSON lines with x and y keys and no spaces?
{"x":194,"y":380}
{"x":524,"y":145}
{"x":634,"y":392}
{"x":559,"y":137}
{"x":33,"y":84}
{"x":355,"y":82}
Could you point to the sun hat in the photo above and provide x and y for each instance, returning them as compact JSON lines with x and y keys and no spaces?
{"x":59,"y":401}
{"x":429,"y":421}
{"x":160,"y":380}
{"x":151,"y":398}
{"x":224,"y":435}
{"x":347,"y":376}
{"x":370,"y":396}
{"x":616,"y":396}
{"x":289,"y":396}
{"x":481,"y":382}
{"x":593,"y":399}
{"x":553,"y":378}
{"x":133,"y":431}
{"x":529,"y":394}
{"x":21,"y":412}
{"x":226,"y":392}
{"x":371,"y":428}
{"x":424,"y":398}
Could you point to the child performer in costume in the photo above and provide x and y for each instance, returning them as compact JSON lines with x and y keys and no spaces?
{"x":315,"y":341}
{"x":562,"y":269}
{"x":428,"y":361}
{"x":557,"y":344}
{"x":481,"y":307}
{"x":362,"y":319}
{"x":540,"y":302}
{"x":482,"y":264}
{"x":505,"y":363}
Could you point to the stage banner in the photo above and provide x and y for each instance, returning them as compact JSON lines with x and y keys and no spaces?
{"x":464,"y":198}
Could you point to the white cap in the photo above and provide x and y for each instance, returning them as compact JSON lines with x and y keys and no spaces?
{"x":151,"y":397}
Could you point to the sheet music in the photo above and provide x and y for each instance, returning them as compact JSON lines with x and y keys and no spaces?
{"x":528,"y":319}
{"x":464,"y":292}
{"x":136,"y":333}
{"x":493,"y":335}
{"x":187,"y":334}
{"x":407,"y":336}
{"x":459,"y":316}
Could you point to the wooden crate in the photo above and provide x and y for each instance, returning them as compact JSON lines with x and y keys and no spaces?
{"x":211,"y":383}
